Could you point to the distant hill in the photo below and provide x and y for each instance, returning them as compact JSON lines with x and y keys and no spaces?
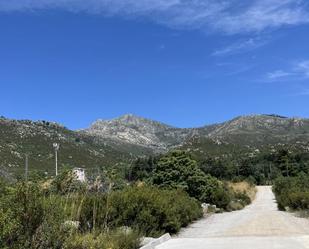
{"x":259,"y":130}
{"x":110,"y":142}
{"x":137,"y":134}
{"x":251,"y":134}
{"x":246,"y":131}
{"x":21,"y":137}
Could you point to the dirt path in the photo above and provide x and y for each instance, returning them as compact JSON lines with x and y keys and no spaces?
{"x":259,"y":225}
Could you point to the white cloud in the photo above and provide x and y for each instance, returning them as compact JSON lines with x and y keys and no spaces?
{"x":264,"y":14}
{"x":240,"y":47}
{"x":302,"y":68}
{"x":228,"y":16}
{"x":299,"y":71}
{"x":278,"y":74}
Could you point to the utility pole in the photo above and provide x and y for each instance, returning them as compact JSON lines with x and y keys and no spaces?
{"x":56,"y":147}
{"x":26,"y":168}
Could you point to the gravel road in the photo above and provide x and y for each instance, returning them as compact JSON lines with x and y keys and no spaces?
{"x":259,"y":225}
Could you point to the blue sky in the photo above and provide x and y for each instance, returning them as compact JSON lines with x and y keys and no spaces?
{"x":186,"y":63}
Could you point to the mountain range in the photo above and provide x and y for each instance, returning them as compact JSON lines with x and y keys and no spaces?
{"x":121,"y":140}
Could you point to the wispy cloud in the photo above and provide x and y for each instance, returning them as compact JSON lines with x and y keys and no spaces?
{"x":298,"y":71}
{"x":228,"y":16}
{"x":240,"y":47}
{"x":278,"y":74}
{"x":302,"y":68}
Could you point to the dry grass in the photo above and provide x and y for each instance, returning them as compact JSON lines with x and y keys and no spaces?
{"x":46,"y":184}
{"x":244,"y":187}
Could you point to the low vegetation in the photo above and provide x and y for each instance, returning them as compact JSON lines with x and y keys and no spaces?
{"x":243,"y":194}
{"x":244,"y":187}
{"x":33,"y":218}
{"x":110,"y":211}
{"x":179,"y":170}
{"x":292,"y":192}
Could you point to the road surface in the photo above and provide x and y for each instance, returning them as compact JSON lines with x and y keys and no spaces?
{"x":258,"y":226}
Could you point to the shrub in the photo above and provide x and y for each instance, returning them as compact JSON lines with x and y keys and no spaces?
{"x":21,"y":214}
{"x":29,"y":220}
{"x":52,"y":232}
{"x":9,"y":227}
{"x":150,"y":210}
{"x":116,"y":240}
{"x":292,"y":192}
{"x":234,"y":206}
{"x":298,"y":200}
{"x":243,"y":198}
{"x":66,"y":183}
{"x":177,"y":170}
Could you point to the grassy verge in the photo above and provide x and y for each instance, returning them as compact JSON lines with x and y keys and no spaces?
{"x":33,"y":218}
{"x":243,"y":193}
{"x":244,"y":187}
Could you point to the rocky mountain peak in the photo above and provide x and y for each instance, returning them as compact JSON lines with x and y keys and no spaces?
{"x":129,"y":117}
{"x":261,"y":129}
{"x":130,"y":121}
{"x":132,"y":129}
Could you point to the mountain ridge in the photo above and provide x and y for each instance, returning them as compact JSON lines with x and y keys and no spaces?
{"x":116,"y":141}
{"x":160,"y":134}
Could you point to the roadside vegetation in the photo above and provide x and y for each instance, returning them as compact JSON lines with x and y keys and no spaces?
{"x":36,"y":217}
{"x":179,"y":170}
{"x":112,"y":211}
{"x":244,"y":187}
{"x":292,"y":193}
{"x":244,"y":194}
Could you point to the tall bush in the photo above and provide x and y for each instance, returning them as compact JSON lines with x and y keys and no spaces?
{"x":150,"y":210}
{"x":177,"y":170}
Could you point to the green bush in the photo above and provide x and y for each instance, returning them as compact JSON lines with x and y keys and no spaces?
{"x":238,"y":201}
{"x":154,"y":211}
{"x":177,"y":170}
{"x":234,"y":206}
{"x":112,"y":240}
{"x":292,"y":192}
{"x":21,"y":214}
{"x":243,"y":198}
{"x":30,"y":220}
{"x":298,"y":200}
{"x":150,"y":210}
{"x":52,"y":232}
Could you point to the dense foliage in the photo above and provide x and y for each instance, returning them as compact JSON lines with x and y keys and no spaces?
{"x":116,"y":239}
{"x":31,"y":217}
{"x":262,"y":167}
{"x":177,"y":170}
{"x":146,"y":209}
{"x":292,"y":192}
{"x":161,"y":195}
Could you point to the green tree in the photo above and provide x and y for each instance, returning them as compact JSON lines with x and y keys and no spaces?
{"x":177,"y":170}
